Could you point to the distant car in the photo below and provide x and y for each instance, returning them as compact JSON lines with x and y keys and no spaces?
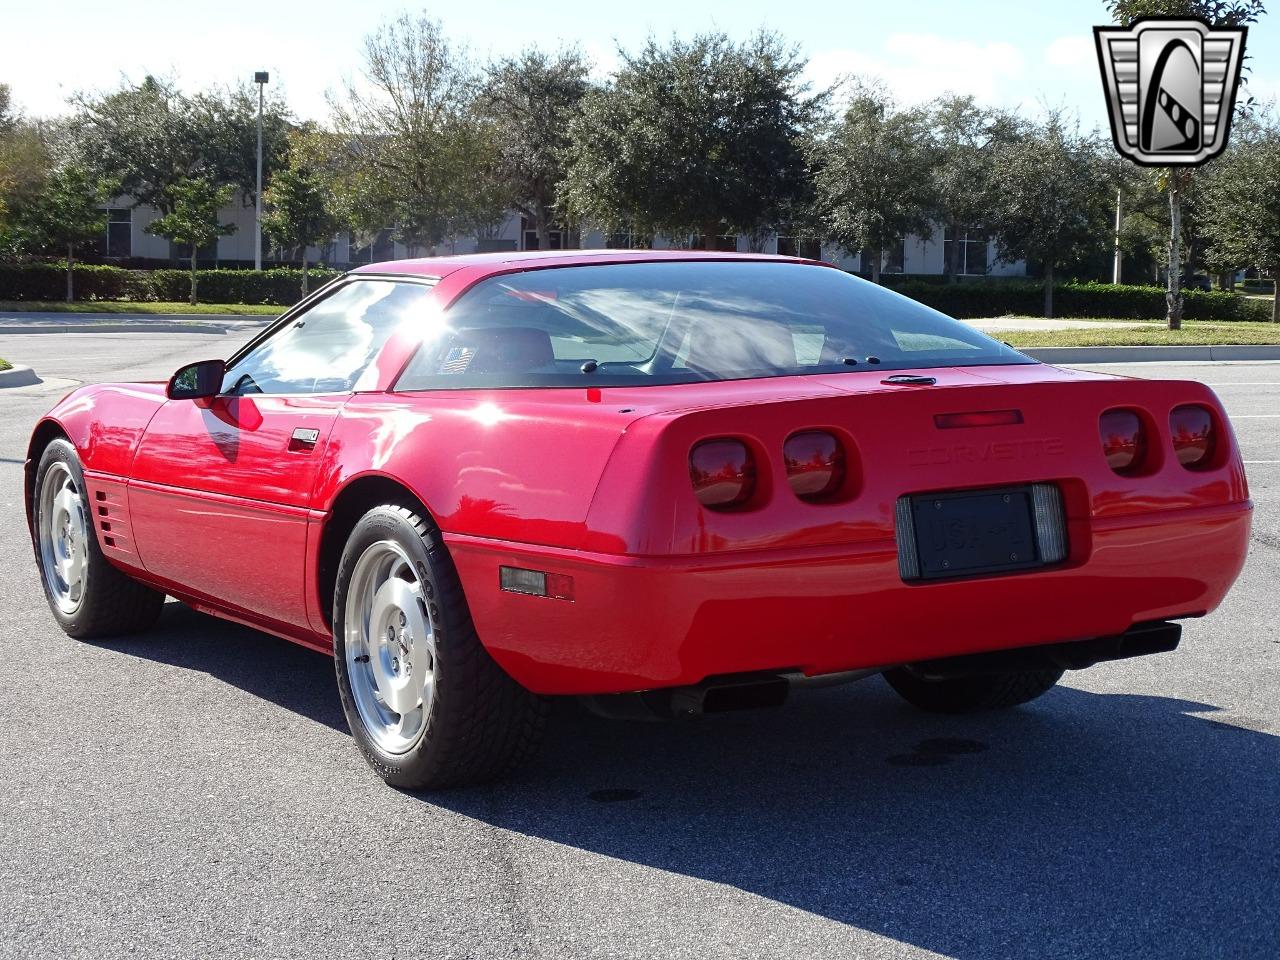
{"x":1197,"y":282}
{"x":693,"y":479}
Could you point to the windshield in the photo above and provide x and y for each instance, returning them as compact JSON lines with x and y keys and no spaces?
{"x":686,"y":321}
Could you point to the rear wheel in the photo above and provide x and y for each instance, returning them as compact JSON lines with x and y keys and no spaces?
{"x":425,"y":702}
{"x":87,"y":595}
{"x":994,"y":691}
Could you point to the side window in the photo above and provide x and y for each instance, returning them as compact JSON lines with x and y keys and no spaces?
{"x":327,"y":348}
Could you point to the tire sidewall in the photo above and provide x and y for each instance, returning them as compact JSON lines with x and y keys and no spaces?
{"x":387,"y":523}
{"x":61,"y":451}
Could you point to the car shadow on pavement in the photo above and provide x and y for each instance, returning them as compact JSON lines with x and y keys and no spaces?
{"x":1084,"y":824}
{"x":268,"y":667}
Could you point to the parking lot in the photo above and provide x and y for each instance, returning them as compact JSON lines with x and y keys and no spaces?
{"x":194,"y":791}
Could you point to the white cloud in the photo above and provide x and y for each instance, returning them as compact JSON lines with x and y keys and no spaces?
{"x":1071,"y":51}
{"x":920,"y":66}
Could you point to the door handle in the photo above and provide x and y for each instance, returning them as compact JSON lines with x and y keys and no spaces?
{"x":304,"y":439}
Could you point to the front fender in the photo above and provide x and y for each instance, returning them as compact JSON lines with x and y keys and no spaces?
{"x":103,"y":422}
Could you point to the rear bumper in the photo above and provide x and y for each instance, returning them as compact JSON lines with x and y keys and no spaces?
{"x":643,"y":622}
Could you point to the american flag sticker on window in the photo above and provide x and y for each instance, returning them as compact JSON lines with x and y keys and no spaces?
{"x":456,"y":360}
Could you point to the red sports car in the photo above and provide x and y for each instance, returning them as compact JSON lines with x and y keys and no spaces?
{"x":691,"y":480}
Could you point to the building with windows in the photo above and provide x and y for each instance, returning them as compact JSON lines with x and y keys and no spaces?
{"x":126,"y":239}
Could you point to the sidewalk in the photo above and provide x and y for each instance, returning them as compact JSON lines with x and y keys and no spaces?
{"x":998,"y":324}
{"x":16,"y":322}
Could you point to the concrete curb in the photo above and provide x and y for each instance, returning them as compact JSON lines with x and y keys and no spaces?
{"x":1152,"y":354}
{"x":17,"y":376}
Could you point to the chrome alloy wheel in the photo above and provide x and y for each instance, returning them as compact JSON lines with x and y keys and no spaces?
{"x":62,"y":532}
{"x":390,"y":647}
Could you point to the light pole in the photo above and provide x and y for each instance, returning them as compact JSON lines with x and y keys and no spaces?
{"x":1115,"y":266}
{"x":260,"y":78}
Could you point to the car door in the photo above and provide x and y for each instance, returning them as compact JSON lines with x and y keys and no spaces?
{"x":220,"y":489}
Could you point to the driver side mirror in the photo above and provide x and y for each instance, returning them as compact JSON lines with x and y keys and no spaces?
{"x":197,"y":381}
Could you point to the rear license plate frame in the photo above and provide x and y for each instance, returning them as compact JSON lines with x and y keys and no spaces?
{"x":975,"y":533}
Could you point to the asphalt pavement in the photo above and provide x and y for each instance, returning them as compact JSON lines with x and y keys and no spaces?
{"x":195,"y":792}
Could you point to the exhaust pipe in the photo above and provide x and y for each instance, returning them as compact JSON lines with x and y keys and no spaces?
{"x":1140,"y":640}
{"x":718,"y":694}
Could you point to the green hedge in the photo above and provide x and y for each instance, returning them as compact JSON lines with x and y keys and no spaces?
{"x":1101,"y":300}
{"x":48,"y":281}
{"x":990,"y":298}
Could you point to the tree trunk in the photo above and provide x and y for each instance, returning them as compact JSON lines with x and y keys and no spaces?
{"x":875,"y":264}
{"x":1275,"y":303}
{"x":1048,"y":290}
{"x":193,"y":273}
{"x":542,"y":227}
{"x":952,"y":253}
{"x":304,"y":271}
{"x":71,"y":285}
{"x":710,"y":230}
{"x":1173,"y":282}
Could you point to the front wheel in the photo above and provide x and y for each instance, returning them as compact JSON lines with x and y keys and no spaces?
{"x":993,"y":691}
{"x":87,"y":595}
{"x":425,"y":702}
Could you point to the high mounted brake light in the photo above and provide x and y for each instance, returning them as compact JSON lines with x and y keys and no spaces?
{"x":977,"y":418}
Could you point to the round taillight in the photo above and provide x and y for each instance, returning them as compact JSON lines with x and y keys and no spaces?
{"x":815,"y":464}
{"x":1191,"y":427}
{"x":1124,"y":440}
{"x":723,"y":473}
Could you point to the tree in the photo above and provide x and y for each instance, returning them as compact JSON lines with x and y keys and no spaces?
{"x":226,"y":121}
{"x":1054,"y":199}
{"x":150,"y":137}
{"x":25,"y":161}
{"x":1242,"y":209}
{"x":875,"y":175}
{"x":695,"y":137}
{"x":8,"y":116}
{"x":531,"y":101}
{"x":408,"y":138}
{"x":1178,"y":181}
{"x":68,"y":214}
{"x":965,"y":137}
{"x":192,"y":220}
{"x":299,"y":210}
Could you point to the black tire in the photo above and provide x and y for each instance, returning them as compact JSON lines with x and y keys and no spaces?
{"x":111,"y":602}
{"x":995,"y":691}
{"x":481,"y":723}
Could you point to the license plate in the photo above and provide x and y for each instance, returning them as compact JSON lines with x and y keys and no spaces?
{"x":963,"y":534}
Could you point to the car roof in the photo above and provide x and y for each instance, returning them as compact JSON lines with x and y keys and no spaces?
{"x":485,"y":263}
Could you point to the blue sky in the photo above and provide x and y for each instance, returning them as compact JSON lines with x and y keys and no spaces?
{"x":1008,"y":54}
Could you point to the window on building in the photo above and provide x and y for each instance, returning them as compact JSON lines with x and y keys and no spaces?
{"x":800,"y":247}
{"x":204,"y":254}
{"x":117,"y":242}
{"x":895,"y":257}
{"x":555,"y":236}
{"x":727,"y":243}
{"x":971,"y":257}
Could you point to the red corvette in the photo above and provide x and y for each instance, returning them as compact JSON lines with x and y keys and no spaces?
{"x":689,"y":479}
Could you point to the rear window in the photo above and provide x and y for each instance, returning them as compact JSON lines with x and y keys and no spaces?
{"x":685,"y":321}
